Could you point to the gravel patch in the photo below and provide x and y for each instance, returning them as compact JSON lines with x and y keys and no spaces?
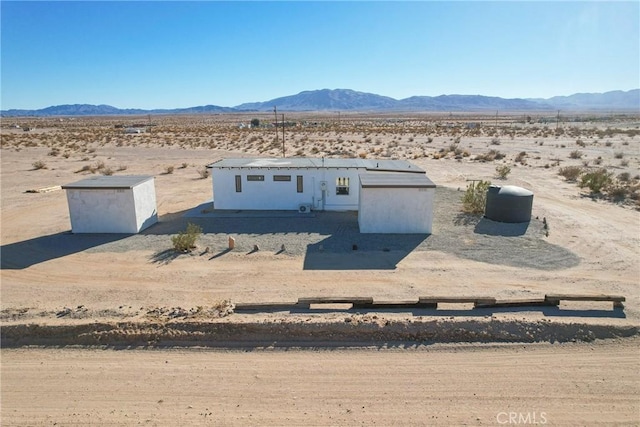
{"x":328,"y":240}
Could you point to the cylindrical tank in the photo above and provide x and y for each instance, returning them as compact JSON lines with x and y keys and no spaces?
{"x":508,"y":204}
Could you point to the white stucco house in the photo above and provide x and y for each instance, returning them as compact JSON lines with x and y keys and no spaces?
{"x":112,"y":204}
{"x":391,"y":196}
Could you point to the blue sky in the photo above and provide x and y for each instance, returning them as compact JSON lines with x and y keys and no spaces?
{"x":182,"y":54}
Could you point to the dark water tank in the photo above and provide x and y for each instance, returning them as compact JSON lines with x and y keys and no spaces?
{"x":508,"y":204}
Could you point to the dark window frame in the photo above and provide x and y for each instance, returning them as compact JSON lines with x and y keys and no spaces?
{"x":255,"y":178}
{"x":282,"y":178}
{"x":238,"y":183}
{"x":300,"y":183}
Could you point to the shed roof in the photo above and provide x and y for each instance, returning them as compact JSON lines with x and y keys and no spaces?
{"x":109,"y":182}
{"x":395,"y":180}
{"x":315,"y":163}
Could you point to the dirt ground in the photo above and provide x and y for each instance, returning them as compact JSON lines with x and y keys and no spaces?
{"x":110,"y":285}
{"x":541,"y":384}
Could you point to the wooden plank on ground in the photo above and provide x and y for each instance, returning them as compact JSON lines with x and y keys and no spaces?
{"x":584,"y":297}
{"x":616,"y":299}
{"x":334,"y":300}
{"x":45,"y":189}
{"x":457,"y":300}
{"x":525,"y":302}
{"x":264,"y":306}
{"x":407,"y":304}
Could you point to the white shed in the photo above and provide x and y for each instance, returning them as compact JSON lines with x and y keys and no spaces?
{"x":395,"y":203}
{"x":112,"y":204}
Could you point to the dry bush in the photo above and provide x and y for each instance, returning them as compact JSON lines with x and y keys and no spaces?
{"x":39,"y":164}
{"x":570,"y":173}
{"x":575,"y":154}
{"x":168,"y":170}
{"x":618,"y":155}
{"x":204,"y":173}
{"x":490,"y":156}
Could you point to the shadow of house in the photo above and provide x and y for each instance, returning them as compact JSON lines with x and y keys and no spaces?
{"x":361,"y":251}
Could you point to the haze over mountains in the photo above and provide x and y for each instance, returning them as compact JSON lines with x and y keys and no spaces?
{"x":350,"y":100}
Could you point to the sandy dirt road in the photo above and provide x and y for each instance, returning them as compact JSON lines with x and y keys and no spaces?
{"x":563,"y":384}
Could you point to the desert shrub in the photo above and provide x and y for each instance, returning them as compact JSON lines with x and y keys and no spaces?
{"x":107,"y":171}
{"x":503,"y":171}
{"x":624,"y":177}
{"x":617,"y":191}
{"x":575,"y":154}
{"x":204,"y":173}
{"x":570,"y":173}
{"x":596,"y":180}
{"x":39,"y":164}
{"x":495,"y":141}
{"x":184,"y":166}
{"x":475,"y":197}
{"x":185,"y":241}
{"x":168,"y":170}
{"x":580,"y":143}
{"x":490,"y":156}
{"x":429,"y":140}
{"x":520,"y":158}
{"x":624,"y":163}
{"x":598,"y":160}
{"x":618,"y":154}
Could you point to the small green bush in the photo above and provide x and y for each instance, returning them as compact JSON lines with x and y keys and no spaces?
{"x":185,"y":241}
{"x":503,"y":171}
{"x":596,"y":180}
{"x":475,"y":198}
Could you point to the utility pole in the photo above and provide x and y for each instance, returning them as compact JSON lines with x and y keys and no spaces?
{"x":558,"y":120}
{"x":275,"y":113}
{"x":283,"y":151}
{"x":496,"y":119}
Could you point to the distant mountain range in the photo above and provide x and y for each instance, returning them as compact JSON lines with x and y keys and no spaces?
{"x":350,"y":100}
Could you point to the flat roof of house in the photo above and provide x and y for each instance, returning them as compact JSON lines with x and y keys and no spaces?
{"x":108,"y":182}
{"x":315,"y":163}
{"x":395,"y":180}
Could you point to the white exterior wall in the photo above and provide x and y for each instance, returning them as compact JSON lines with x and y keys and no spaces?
{"x":283,"y":195}
{"x":102,"y":210}
{"x":396,"y":210}
{"x":96,"y":210}
{"x":144,"y":197}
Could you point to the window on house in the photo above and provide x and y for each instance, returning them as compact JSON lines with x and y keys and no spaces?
{"x":238,"y":184}
{"x":255,"y":177}
{"x":342,"y":186}
{"x":282,"y":178}
{"x":300,"y":184}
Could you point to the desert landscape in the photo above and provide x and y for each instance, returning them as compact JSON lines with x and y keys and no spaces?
{"x":69,"y":302}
